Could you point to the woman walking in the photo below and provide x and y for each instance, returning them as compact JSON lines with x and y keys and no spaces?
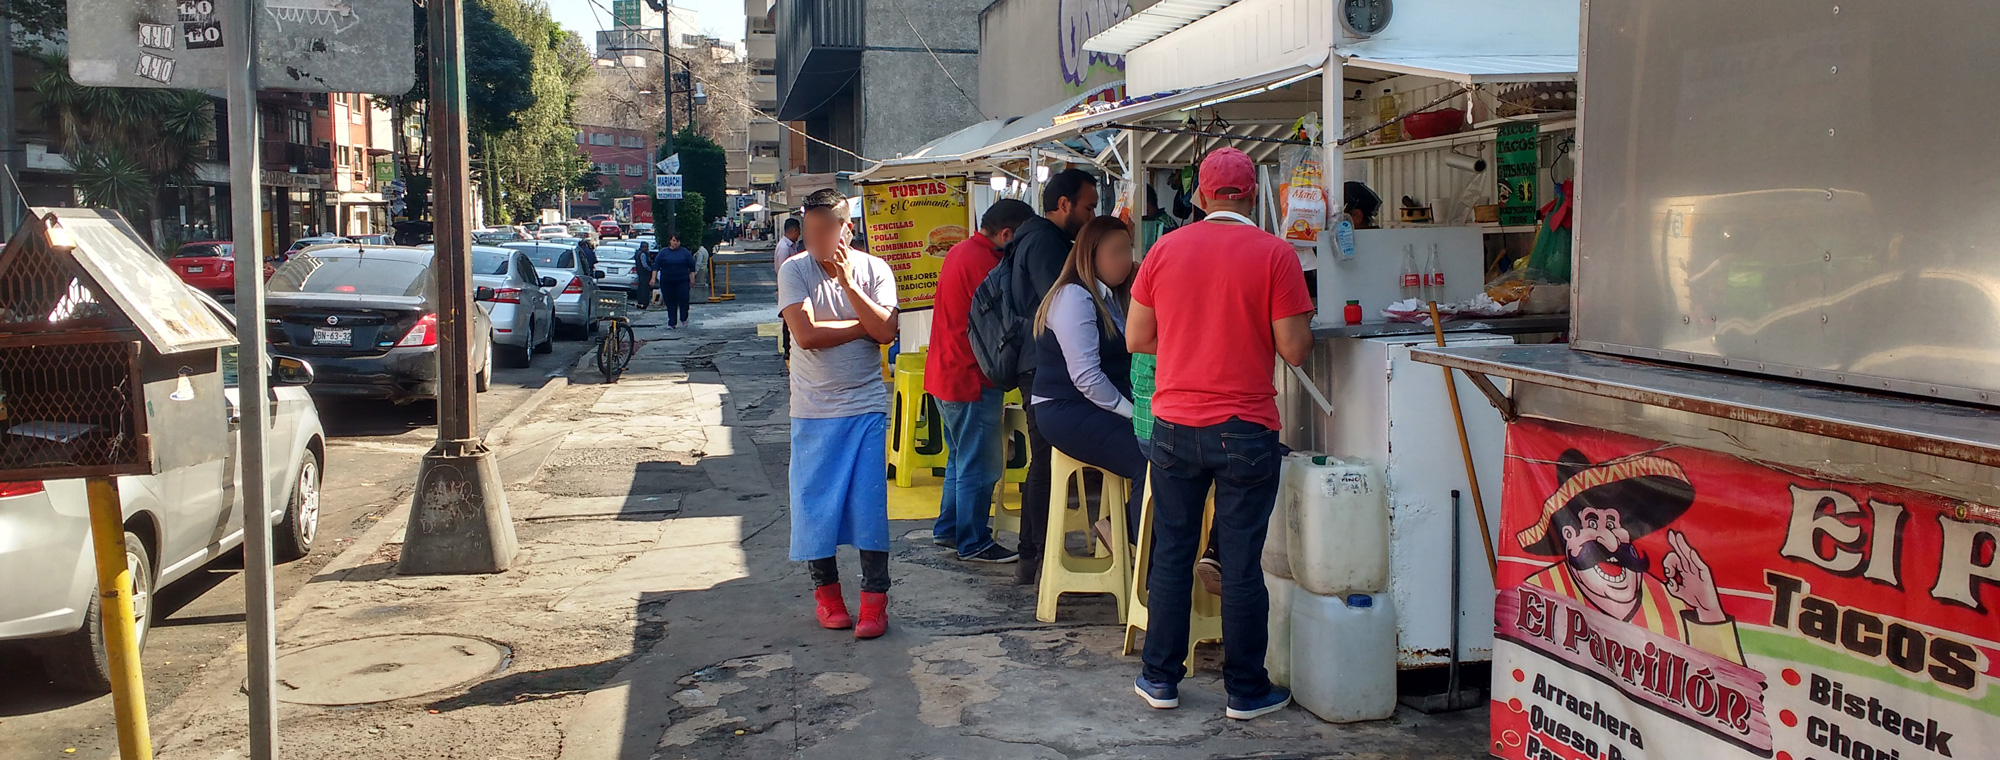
{"x":675,"y":267}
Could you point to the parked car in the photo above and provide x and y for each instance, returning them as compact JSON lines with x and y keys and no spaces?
{"x":595,"y":218}
{"x":642,"y":230}
{"x":494,"y":235}
{"x":576,"y":299}
{"x":367,"y":320}
{"x":210,"y":266}
{"x":522,"y":312}
{"x":372,"y":239}
{"x":175,"y":522}
{"x":618,"y":261}
{"x":581,"y":229}
{"x":547,"y":231}
{"x":609,"y":228}
{"x":308,"y":242}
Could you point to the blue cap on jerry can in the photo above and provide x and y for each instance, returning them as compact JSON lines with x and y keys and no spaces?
{"x":1360,"y":600}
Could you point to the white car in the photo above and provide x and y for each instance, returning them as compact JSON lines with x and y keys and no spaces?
{"x":175,"y":522}
{"x":547,"y":231}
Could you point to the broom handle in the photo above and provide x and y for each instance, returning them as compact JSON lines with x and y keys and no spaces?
{"x":1465,"y":447}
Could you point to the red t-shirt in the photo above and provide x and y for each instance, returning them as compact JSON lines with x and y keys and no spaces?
{"x":1215,"y":289}
{"x":950,"y":372}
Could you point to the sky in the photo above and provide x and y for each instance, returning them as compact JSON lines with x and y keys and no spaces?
{"x":719,"y":18}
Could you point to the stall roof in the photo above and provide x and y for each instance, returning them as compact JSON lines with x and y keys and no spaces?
{"x":169,"y":315}
{"x":1165,"y":103}
{"x":1473,"y":69}
{"x":1151,"y":24}
{"x":958,"y":152}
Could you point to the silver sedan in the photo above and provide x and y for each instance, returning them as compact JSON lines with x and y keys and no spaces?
{"x":576,"y":284}
{"x":619,"y":262}
{"x":521,"y":309}
{"x":175,"y":522}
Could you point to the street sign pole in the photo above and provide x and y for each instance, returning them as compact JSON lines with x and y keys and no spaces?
{"x":253,"y":400}
{"x":459,"y":522}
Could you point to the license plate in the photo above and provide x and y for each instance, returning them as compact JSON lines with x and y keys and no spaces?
{"x":333,"y":336}
{"x":195,"y":270}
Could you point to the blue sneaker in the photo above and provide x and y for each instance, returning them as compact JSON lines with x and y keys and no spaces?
{"x":1162,"y":696}
{"x":1245,"y":709}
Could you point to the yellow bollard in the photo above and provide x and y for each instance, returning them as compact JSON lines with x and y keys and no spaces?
{"x":121,"y":637}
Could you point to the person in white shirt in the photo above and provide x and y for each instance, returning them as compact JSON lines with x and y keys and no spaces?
{"x":788,"y":246}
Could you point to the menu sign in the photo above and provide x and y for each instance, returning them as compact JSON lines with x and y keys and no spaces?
{"x":1665,"y":602}
{"x":912,"y":225}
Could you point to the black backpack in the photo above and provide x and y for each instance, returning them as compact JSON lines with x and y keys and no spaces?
{"x":997,"y":328}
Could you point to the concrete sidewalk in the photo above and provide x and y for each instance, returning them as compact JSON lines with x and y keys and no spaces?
{"x":652,"y":613}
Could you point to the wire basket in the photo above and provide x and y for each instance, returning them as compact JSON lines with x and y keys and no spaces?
{"x":71,"y":410}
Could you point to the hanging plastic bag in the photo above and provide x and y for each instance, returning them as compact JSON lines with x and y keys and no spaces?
{"x":1303,"y":195}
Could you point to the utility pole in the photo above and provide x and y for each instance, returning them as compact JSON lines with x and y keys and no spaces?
{"x":10,"y":149}
{"x":662,"y":230}
{"x":459,"y":521}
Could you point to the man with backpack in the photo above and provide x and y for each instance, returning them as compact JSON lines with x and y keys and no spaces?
{"x":1033,"y":262}
{"x":975,"y":446}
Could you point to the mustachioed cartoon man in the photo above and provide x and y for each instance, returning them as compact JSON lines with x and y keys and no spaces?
{"x":1591,"y":525}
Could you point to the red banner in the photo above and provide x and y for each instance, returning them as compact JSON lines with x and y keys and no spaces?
{"x":1666,"y":602}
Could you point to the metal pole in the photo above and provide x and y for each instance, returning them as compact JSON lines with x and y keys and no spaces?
{"x":673,"y":224}
{"x":114,"y":610}
{"x":1332,"y":122}
{"x":10,"y":200}
{"x":459,"y":522}
{"x":246,"y":211}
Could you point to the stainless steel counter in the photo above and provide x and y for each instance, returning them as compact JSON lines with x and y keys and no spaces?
{"x":1548,"y":323}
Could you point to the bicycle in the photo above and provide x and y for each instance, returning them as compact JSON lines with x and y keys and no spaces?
{"x":617,"y":346}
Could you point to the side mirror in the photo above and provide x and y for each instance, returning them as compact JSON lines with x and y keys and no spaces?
{"x":599,"y":274}
{"x":286,"y":370}
{"x":482,"y":294}
{"x":547,"y":282}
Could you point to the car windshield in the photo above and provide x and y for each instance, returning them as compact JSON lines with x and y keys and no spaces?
{"x":201,"y":250}
{"x":357,"y":275}
{"x":490,"y":262}
{"x":559,"y":258}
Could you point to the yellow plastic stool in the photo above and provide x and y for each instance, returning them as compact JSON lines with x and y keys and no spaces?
{"x":1014,"y":429}
{"x":1110,"y":570}
{"x":916,"y":439}
{"x":1205,"y":617}
{"x":1006,"y":508}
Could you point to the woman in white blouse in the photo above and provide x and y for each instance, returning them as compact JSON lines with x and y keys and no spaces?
{"x":1083,"y":373}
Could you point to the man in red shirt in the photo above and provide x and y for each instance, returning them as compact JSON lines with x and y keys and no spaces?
{"x":1216,"y":301}
{"x":974,"y":448}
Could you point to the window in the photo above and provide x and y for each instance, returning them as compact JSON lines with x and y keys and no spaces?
{"x":300,"y":131}
{"x":631,"y":141}
{"x":634,"y":170}
{"x":600,"y":139}
{"x":579,"y":138}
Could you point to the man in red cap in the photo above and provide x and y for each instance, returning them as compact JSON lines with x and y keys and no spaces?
{"x":1216,"y":301}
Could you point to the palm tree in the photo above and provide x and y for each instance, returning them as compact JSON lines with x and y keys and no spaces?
{"x":126,"y":144}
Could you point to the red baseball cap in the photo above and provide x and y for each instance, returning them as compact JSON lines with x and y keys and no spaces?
{"x":1228,"y":174}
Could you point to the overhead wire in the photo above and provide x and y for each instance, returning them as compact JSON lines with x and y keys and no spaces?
{"x":940,"y":61}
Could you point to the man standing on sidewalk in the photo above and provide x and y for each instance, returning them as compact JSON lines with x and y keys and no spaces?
{"x":841,"y":306}
{"x":975,"y":450}
{"x":788,"y":246}
{"x":1216,"y":300}
{"x":1040,"y":247}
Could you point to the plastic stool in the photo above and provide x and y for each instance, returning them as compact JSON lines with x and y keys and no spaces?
{"x":1110,"y":572}
{"x":916,"y":439}
{"x":1006,"y":511}
{"x":1205,"y":616}
{"x":1014,"y":430}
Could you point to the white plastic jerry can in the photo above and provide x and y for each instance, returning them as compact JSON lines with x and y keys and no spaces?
{"x":1277,"y":554}
{"x":1343,"y":664}
{"x":1337,"y":531}
{"x":1278,"y":650}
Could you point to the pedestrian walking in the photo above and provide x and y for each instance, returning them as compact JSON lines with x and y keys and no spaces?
{"x":675,"y":267}
{"x":841,"y":307}
{"x":642,"y":275}
{"x":1082,"y":396}
{"x":975,"y":446}
{"x":1040,"y":247}
{"x":787,"y":247}
{"x":1216,"y":301}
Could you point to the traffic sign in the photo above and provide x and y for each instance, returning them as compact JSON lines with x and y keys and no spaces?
{"x":667,"y":187}
{"x":302,"y":45}
{"x":670,"y":164}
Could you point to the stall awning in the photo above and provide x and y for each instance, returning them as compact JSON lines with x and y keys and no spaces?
{"x":1159,"y":104}
{"x":1473,"y":69}
{"x":967,"y":149}
{"x":1154,"y":22}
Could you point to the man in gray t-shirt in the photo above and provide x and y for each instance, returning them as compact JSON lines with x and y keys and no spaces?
{"x":840,"y":306}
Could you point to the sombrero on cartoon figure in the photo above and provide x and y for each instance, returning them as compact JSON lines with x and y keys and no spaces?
{"x":1648,"y":492}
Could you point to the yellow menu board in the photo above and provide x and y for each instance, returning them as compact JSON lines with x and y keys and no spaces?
{"x":911,"y":225}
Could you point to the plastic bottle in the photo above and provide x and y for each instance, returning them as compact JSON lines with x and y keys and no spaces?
{"x":1343,"y":236}
{"x":1278,"y":653}
{"x":1343,"y":656}
{"x":1276,"y":558}
{"x":1386,"y":111}
{"x":1352,"y":312}
{"x":1337,"y":538}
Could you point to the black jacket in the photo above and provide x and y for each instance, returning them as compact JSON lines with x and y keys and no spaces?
{"x":1037,"y":254}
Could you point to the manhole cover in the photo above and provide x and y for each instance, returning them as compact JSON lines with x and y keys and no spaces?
{"x":382,"y":668}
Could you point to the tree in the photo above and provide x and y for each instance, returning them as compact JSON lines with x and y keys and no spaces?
{"x":692,"y":223}
{"x":537,"y":156}
{"x":127,"y":145}
{"x":704,"y":166}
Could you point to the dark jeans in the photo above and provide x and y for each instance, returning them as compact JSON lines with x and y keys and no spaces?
{"x":642,"y":291}
{"x":975,"y":459}
{"x":874,"y":571}
{"x":1241,"y":460}
{"x":1034,"y":493}
{"x":1092,"y":435}
{"x":675,"y":294}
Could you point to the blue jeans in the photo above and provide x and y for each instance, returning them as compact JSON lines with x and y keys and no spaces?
{"x":1240,"y":459}
{"x":975,"y":456}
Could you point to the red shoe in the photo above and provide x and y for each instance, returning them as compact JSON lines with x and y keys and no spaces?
{"x":874,"y":616}
{"x":831,"y":609}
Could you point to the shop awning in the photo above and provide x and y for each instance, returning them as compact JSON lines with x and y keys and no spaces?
{"x":1152,"y":23}
{"x":1473,"y":69}
{"x":1157,"y":105}
{"x":969,"y":149}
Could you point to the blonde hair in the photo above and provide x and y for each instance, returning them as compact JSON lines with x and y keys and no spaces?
{"x":1081,"y":269}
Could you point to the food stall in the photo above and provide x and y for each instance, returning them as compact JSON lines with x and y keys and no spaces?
{"x":1258,"y":75}
{"x":1749,"y":508}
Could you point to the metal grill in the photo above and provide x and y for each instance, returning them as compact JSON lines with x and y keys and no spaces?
{"x":43,"y":292}
{"x":69,"y":410}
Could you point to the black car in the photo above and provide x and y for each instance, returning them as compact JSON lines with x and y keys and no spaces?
{"x":367,"y":320}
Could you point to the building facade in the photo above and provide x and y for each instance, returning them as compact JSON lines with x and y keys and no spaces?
{"x":622,"y":160}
